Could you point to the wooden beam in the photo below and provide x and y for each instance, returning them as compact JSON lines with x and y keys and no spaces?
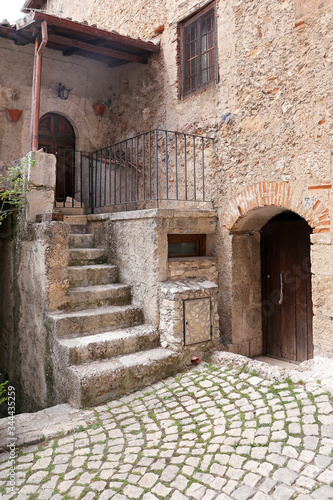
{"x":84,"y":29}
{"x":114,"y":54}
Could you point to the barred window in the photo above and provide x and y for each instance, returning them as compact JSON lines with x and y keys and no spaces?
{"x":198,"y":40}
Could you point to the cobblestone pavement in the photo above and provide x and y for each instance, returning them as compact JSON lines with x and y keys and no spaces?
{"x":212,"y":433}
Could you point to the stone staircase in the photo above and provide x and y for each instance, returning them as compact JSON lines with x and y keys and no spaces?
{"x":104,"y":345}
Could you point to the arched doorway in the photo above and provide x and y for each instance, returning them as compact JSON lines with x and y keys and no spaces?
{"x":56,"y":136}
{"x":243,"y":221}
{"x":286,"y":287}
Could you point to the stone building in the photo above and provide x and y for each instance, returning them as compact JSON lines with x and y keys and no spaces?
{"x":193,"y":158}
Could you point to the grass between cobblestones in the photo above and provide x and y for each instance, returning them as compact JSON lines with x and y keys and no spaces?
{"x":211,"y":433}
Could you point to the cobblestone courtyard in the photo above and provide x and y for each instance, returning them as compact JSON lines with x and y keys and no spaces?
{"x":212,"y":433}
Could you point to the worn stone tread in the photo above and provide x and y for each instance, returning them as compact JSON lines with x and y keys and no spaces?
{"x":99,"y":381}
{"x":91,"y":274}
{"x":90,"y":312}
{"x":83,"y":256}
{"x":81,"y":240}
{"x":92,"y":266}
{"x":83,"y":297}
{"x":100,"y":319}
{"x":108,"y":344}
{"x":126,"y":361}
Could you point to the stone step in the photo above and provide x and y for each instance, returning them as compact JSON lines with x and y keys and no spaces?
{"x":81,"y":240}
{"x":108,"y":344}
{"x":83,"y":256}
{"x":69,"y":324}
{"x":80,"y":229}
{"x":76,"y":220}
{"x":100,"y":274}
{"x":100,"y":381}
{"x":87,"y":297}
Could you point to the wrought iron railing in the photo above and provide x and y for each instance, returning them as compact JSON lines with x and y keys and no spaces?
{"x":139,"y":172}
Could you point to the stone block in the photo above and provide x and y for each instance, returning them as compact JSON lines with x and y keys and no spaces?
{"x":322,"y":335}
{"x":242,"y":348}
{"x":256,"y":347}
{"x":38,"y":200}
{"x":201,"y":322}
{"x":321,"y":238}
{"x":304,"y":8}
{"x":42,"y":170}
{"x":192,"y":268}
{"x":322,"y":295}
{"x":322,"y":260}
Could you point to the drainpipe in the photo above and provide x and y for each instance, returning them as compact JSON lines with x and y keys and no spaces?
{"x":39,"y":47}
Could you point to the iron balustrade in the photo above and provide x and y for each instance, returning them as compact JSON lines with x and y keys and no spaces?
{"x":139,"y":172}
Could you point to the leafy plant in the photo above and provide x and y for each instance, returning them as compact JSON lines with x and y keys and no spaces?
{"x":13,"y":188}
{"x":3,"y":391}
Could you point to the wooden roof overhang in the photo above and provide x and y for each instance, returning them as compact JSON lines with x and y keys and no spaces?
{"x":72,"y":38}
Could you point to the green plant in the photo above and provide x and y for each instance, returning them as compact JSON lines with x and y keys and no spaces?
{"x":13,"y":187}
{"x":3,"y":385}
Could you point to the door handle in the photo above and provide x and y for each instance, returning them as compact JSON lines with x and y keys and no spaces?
{"x":281,"y":288}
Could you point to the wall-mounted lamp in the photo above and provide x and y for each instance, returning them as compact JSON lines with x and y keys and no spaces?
{"x":63,"y":92}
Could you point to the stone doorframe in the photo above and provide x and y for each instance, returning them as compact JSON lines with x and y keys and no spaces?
{"x":242,"y":220}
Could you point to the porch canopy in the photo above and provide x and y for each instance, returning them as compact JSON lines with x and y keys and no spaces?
{"x":73,"y":38}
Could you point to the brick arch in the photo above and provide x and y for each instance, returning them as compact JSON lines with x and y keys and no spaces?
{"x":258,"y":203}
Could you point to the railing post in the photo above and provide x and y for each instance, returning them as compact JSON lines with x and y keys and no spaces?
{"x":176,"y":165}
{"x":91,"y":182}
{"x":156,"y":165}
{"x":81,"y":182}
{"x":143,"y":168}
{"x":185,"y":166}
{"x":166,"y":166}
{"x":110,"y":163}
{"x":115,"y":177}
{"x":125,"y":200}
{"x":64,"y":178}
{"x":73,"y":178}
{"x":104,"y":177}
{"x":149,"y":165}
{"x":203,"y":169}
{"x":194,"y":180}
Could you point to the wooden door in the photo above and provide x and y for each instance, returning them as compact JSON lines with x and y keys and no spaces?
{"x":286,"y":289}
{"x":56,"y":135}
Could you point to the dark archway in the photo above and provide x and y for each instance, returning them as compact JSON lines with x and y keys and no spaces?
{"x":56,"y":136}
{"x":286,"y":287}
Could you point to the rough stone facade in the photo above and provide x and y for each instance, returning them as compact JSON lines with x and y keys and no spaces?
{"x":270,"y":115}
{"x":193,"y":267}
{"x":33,"y":281}
{"x":189,"y":320}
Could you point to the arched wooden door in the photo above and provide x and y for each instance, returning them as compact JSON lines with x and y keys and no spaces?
{"x":57,"y":136}
{"x":286,"y":287}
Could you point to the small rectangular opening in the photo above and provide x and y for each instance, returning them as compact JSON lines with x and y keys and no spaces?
{"x":186,"y":245}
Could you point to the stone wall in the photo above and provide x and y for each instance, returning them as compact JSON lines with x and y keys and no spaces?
{"x":189,"y":320}
{"x":270,"y":115}
{"x":90,"y":81}
{"x":193,"y":267}
{"x":322,"y":296}
{"x":33,"y":272}
{"x":138,"y":243}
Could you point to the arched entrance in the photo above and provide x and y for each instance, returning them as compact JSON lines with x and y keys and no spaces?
{"x":247,"y":218}
{"x":56,"y":136}
{"x":286,"y":287}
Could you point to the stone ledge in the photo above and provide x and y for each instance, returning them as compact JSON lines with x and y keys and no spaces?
{"x":32,"y":428}
{"x":192,"y":259}
{"x":154,"y":214}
